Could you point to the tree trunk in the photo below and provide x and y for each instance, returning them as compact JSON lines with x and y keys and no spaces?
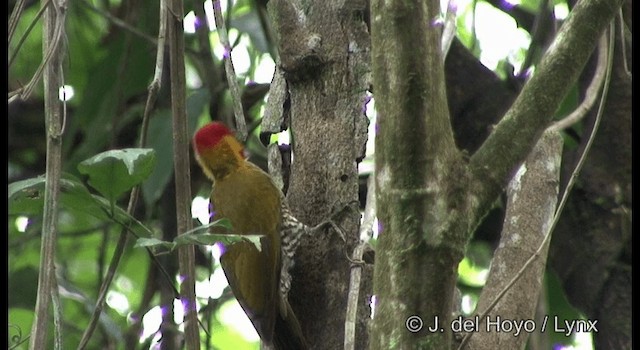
{"x":324,"y":54}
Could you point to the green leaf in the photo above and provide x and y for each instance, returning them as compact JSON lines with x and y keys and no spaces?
{"x":114,"y":172}
{"x":154,"y":243}
{"x":195,"y":239}
{"x":198,"y":239}
{"x":198,"y":236}
{"x":210,"y":239}
{"x":220,"y":227}
{"x":26,"y":197}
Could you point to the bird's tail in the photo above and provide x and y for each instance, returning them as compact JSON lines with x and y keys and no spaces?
{"x":287,"y":333}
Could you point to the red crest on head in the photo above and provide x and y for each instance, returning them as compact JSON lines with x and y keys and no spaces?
{"x":209,"y":136}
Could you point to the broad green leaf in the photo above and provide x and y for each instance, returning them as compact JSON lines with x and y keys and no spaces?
{"x":26,"y":197}
{"x":114,"y":172}
{"x":210,"y":239}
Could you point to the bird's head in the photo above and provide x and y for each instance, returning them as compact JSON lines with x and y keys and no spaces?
{"x":217,"y":150}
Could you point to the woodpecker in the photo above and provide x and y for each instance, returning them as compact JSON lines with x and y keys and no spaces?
{"x":247,"y":196}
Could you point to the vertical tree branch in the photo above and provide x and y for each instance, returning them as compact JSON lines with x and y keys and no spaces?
{"x":52,"y":34}
{"x":241,"y":125}
{"x":182,"y":165}
{"x":418,"y":178}
{"x":356,"y":269}
{"x":535,"y":185}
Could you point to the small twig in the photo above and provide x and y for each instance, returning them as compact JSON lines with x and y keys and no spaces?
{"x":623,"y":44}
{"x":64,"y":101}
{"x":241,"y":126}
{"x":102,"y":257}
{"x":565,"y":194}
{"x":17,"y":339}
{"x":356,"y":269}
{"x":591,"y":95}
{"x":33,"y":234}
{"x":104,"y":288}
{"x":56,"y":38}
{"x":15,"y":18}
{"x":156,"y":83}
{"x":29,"y":29}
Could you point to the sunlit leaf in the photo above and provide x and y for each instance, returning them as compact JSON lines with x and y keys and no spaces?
{"x":114,"y":172}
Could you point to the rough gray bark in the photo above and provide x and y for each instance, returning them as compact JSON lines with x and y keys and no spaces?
{"x":324,"y":54}
{"x":533,"y":194}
